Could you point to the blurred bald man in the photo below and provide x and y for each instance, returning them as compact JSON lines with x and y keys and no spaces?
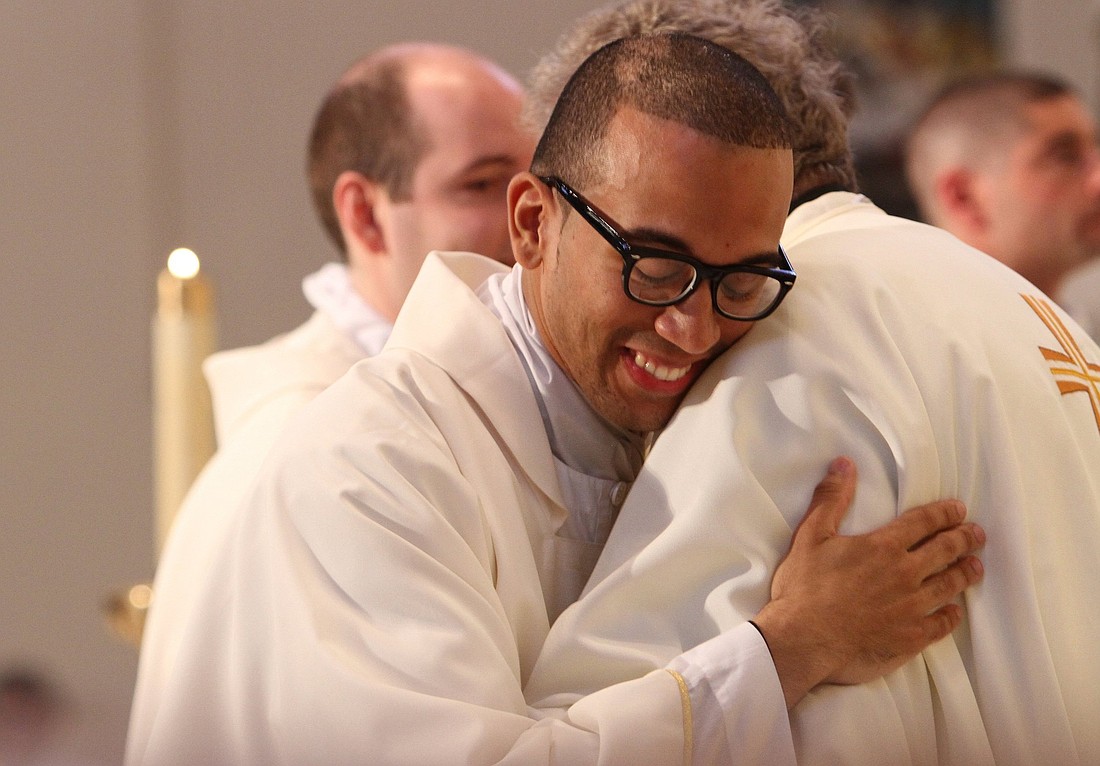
{"x":411,"y":151}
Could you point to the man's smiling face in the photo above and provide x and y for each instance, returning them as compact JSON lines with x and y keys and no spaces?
{"x":670,"y":187}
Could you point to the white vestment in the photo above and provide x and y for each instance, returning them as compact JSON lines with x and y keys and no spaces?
{"x":255,"y":391}
{"x":385,"y":590}
{"x":943,"y":374}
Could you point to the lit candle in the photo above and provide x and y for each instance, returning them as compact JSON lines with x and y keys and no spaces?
{"x":183,"y":425}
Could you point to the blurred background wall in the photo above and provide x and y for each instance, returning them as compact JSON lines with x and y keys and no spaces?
{"x":128,"y":128}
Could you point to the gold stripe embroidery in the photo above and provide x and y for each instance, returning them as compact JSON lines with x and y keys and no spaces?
{"x":1071,"y":370}
{"x":689,"y":726}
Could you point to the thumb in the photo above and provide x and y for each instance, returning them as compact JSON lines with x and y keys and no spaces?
{"x":831,"y":500}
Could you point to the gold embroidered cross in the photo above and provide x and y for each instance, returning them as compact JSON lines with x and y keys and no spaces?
{"x":1070,"y":368}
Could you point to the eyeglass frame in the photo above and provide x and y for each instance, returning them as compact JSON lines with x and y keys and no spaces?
{"x":631,"y":254}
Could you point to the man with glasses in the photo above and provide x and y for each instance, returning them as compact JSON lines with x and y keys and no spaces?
{"x":942,"y":373}
{"x":384,"y":594}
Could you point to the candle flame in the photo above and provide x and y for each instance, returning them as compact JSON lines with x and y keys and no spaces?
{"x":183,"y":263}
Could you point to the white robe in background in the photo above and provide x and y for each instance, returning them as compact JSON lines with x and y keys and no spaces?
{"x":383,"y":593}
{"x":943,"y":374}
{"x":255,"y":390}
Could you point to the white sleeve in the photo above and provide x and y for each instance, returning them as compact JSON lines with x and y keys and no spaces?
{"x":738,"y":713}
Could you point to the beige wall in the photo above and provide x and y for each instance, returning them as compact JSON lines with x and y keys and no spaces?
{"x":128,"y":127}
{"x":1061,"y":36}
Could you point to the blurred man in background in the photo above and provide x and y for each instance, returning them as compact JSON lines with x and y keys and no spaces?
{"x":411,"y":151}
{"x":1009,"y":164}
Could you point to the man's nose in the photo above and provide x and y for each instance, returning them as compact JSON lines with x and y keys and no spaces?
{"x":692,"y":324}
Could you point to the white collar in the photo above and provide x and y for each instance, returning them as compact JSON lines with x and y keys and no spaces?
{"x":329,"y":290}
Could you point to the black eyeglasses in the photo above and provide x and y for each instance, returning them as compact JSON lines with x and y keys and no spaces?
{"x":655,"y":277}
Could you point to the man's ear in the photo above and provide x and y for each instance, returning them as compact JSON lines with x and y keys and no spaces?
{"x":531,"y":209}
{"x":961,"y":202}
{"x":356,"y":200}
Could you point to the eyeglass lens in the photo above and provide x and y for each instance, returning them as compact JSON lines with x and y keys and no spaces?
{"x":659,"y":280}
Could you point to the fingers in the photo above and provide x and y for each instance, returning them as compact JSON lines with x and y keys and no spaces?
{"x":944,"y":586}
{"x":941,"y":623}
{"x":831,"y":500}
{"x":918,"y":524}
{"x":941,"y":549}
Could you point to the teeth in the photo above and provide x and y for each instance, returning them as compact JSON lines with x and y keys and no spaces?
{"x":660,"y":372}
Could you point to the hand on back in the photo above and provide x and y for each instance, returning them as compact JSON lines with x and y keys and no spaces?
{"x":849,"y":609}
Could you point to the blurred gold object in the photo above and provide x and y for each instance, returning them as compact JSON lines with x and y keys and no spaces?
{"x":126,"y":610}
{"x":184,"y":334}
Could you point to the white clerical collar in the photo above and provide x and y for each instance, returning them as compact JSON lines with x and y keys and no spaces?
{"x":329,"y":290}
{"x":580,"y":438}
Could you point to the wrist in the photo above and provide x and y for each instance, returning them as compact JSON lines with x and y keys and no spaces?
{"x":801,"y":659}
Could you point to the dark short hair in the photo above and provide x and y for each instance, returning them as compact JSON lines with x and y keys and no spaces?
{"x":982,"y":100}
{"x":1007,"y":86}
{"x":677,"y":77}
{"x":792,"y":46}
{"x":368,"y":126}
